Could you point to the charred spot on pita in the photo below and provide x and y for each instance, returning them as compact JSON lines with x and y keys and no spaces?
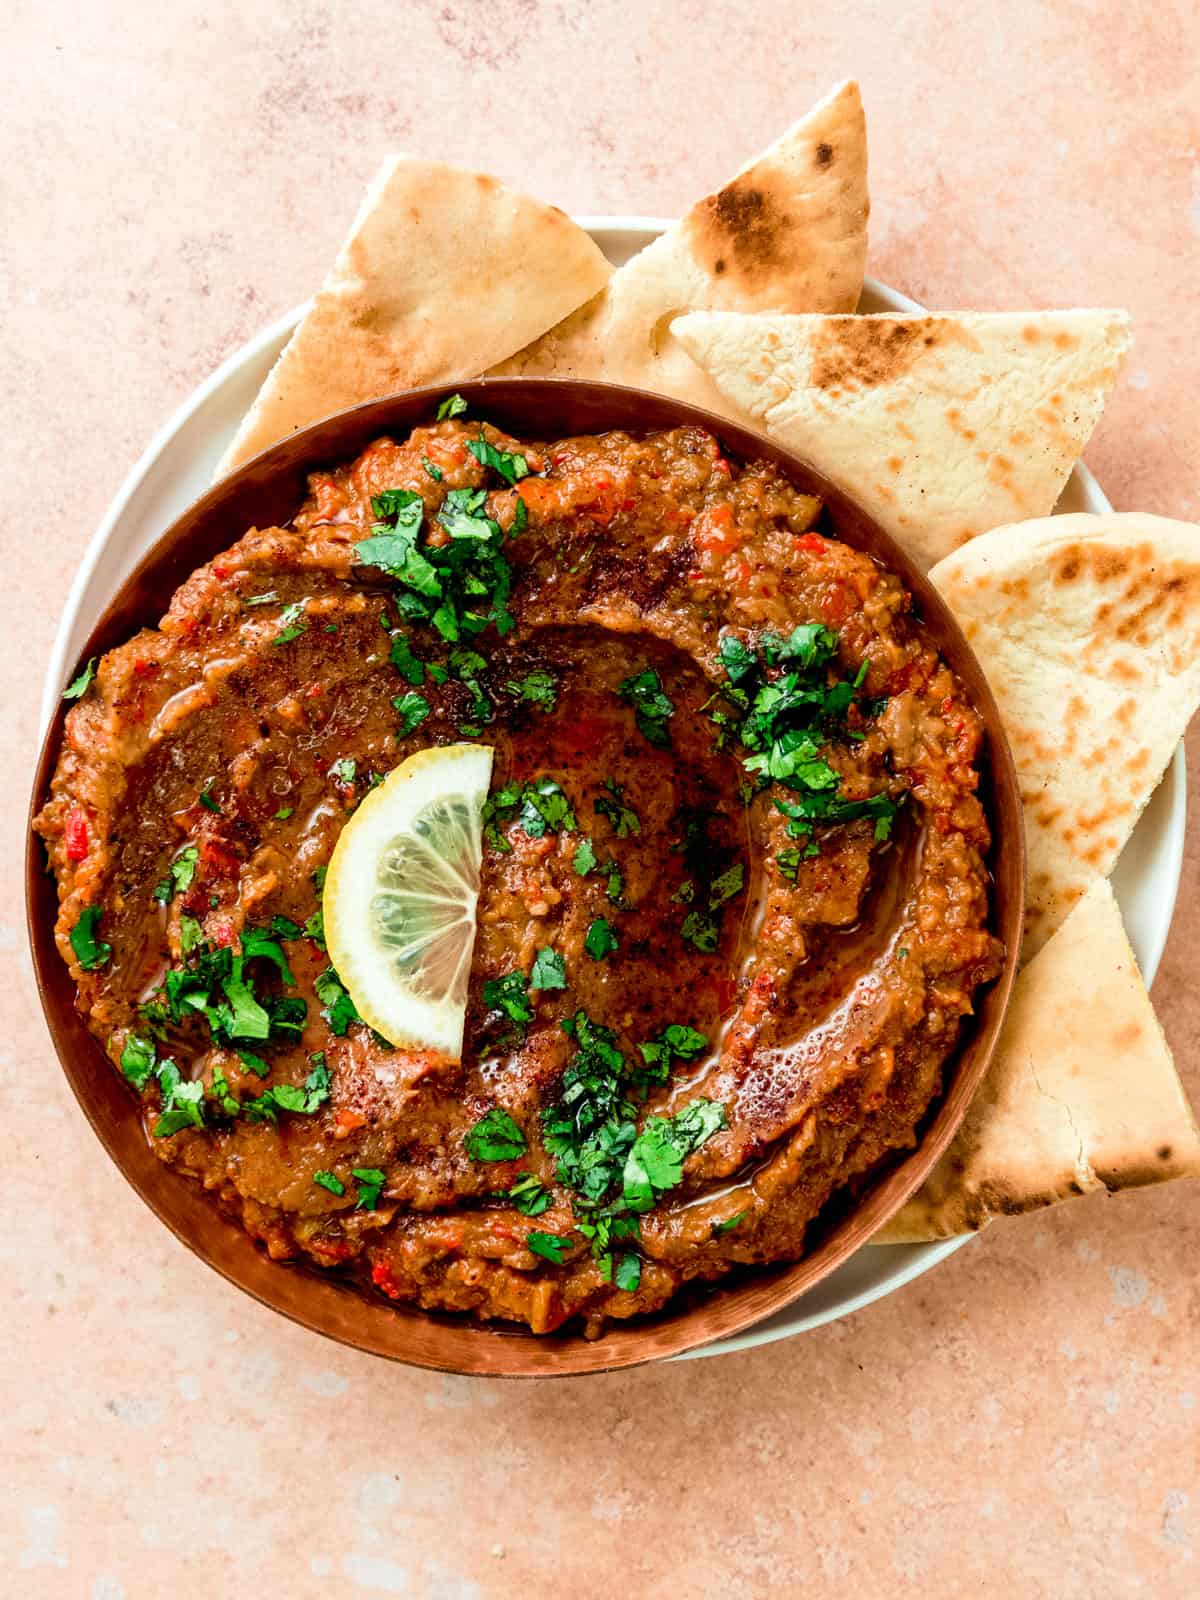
{"x":824,"y":155}
{"x":742,"y":228}
{"x":861,"y":352}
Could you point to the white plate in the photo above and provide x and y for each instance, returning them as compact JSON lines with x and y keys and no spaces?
{"x":178,"y":466}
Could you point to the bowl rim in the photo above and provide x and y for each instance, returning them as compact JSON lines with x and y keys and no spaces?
{"x":330,"y":1306}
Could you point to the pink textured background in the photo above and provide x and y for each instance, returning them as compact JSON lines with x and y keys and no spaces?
{"x":1024,"y":1421}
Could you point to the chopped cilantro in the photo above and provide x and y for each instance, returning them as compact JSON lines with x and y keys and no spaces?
{"x":190,"y":934}
{"x":520,"y":518}
{"x":268,"y":597}
{"x":550,"y":1245}
{"x":90,"y":952}
{"x":340,"y":1010}
{"x":902,"y":953}
{"x":370,"y":1182}
{"x":511,"y":466}
{"x":628,"y":1272}
{"x":291,"y":620}
{"x":584,"y":858}
{"x":540,"y":687}
{"x":256,"y":1064}
{"x":507,"y":994}
{"x":330,"y":1181}
{"x":529,"y":1195}
{"x":283,"y":813}
{"x":284,"y":928}
{"x":623,"y":818}
{"x":466,"y":666}
{"x":435,"y":472}
{"x":601,"y":940}
{"x":405,"y":663}
{"x":343,"y":771}
{"x":137,"y":1059}
{"x":79,"y":686}
{"x":495,"y":1137}
{"x":452,"y":406}
{"x":704,"y":892}
{"x":675,"y":1042}
{"x":258,"y":943}
{"x":318,"y":878}
{"x":785,"y":722}
{"x":549,"y":971}
{"x":179,"y":874}
{"x":314,"y":927}
{"x":299,"y":1100}
{"x":651,"y":706}
{"x":655,"y":1162}
{"x":182,"y":1102}
{"x":539,"y":807}
{"x":729,"y":1223}
{"x":413,"y":709}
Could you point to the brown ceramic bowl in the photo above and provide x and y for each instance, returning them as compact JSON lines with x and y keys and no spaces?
{"x":270,"y":490}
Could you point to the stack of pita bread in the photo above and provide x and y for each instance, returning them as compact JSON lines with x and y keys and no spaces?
{"x":958,"y":433}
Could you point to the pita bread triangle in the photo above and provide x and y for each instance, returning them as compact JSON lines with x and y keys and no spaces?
{"x":443,"y":273}
{"x":941,"y":426}
{"x":1088,"y":628}
{"x":1082,"y":1093}
{"x":786,"y":233}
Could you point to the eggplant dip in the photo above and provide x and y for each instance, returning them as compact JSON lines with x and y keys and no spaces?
{"x":733,"y":903}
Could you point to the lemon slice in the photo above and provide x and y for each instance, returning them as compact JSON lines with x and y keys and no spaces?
{"x":400,"y":897}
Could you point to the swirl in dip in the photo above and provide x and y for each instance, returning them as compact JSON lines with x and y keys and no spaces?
{"x":734,"y":903}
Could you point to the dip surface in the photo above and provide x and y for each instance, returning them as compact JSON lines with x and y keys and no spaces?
{"x":814,"y":974}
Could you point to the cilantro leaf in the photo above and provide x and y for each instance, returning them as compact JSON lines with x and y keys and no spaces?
{"x":370,"y":1185}
{"x":623,"y":818}
{"x":138,"y":1059}
{"x":79,"y":686}
{"x":413,"y":709}
{"x":628,"y":1272}
{"x":655,"y":1162}
{"x":90,"y":952}
{"x":677,"y":1042}
{"x":652,"y":707}
{"x":343,"y":771}
{"x":182,"y":1102}
{"x":291,"y":623}
{"x":549,"y":970}
{"x":340,"y":1010}
{"x":511,"y":466}
{"x":507,"y":994}
{"x":729,"y":1223}
{"x":179,"y":876}
{"x":550,"y":1245}
{"x":405,"y":663}
{"x":601,"y":940}
{"x":540,"y":687}
{"x":495,"y":1137}
{"x":258,"y":944}
{"x":584,"y":858}
{"x":330,"y":1181}
{"x":434,"y":471}
{"x":452,"y":406}
{"x":528,"y":1195}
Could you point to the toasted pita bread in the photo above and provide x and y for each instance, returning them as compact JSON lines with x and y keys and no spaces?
{"x":1088,"y":628}
{"x":942,"y":427}
{"x":1082,"y":1093}
{"x":443,"y":273}
{"x":787,"y":233}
